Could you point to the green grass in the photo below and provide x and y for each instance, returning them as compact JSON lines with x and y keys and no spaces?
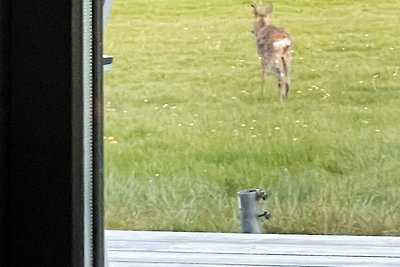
{"x":187,"y":125}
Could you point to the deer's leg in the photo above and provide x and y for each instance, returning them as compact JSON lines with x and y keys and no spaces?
{"x":283,"y":89}
{"x":286,"y":78}
{"x":286,"y":89}
{"x":281,"y":84}
{"x":281,"y":97}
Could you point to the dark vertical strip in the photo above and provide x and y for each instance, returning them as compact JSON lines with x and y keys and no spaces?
{"x":41,"y":135}
{"x":40,"y":159}
{"x":77,"y":135}
{"x":98,"y":233}
{"x":4,"y":115}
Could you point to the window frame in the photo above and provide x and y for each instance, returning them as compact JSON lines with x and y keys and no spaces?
{"x":42,"y":177}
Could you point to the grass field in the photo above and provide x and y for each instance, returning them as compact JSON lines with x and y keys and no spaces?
{"x":187,"y":126}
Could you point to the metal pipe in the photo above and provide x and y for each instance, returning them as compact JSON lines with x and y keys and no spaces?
{"x":250,"y":211}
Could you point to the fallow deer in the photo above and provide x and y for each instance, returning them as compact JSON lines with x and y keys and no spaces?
{"x":273,"y":46}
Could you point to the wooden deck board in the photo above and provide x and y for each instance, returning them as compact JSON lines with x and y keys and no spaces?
{"x":136,"y":248}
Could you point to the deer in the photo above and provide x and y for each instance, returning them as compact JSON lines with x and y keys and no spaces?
{"x":274,"y":49}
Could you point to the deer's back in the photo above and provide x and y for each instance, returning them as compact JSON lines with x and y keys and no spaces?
{"x":271,"y":40}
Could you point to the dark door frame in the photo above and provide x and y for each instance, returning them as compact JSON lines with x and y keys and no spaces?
{"x":42,"y":173}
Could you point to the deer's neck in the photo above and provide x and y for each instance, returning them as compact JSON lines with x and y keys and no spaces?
{"x":260,"y":23}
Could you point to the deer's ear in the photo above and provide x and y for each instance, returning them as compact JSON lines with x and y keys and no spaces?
{"x":254,"y":9}
{"x":269,"y":9}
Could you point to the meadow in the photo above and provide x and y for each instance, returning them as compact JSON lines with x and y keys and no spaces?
{"x":187,"y":125}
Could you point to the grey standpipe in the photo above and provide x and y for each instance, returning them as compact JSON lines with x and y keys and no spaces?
{"x":249,"y":200}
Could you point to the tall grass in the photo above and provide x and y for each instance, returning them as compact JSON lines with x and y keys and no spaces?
{"x":187,"y":125}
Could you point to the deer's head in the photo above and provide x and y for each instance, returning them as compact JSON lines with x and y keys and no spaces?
{"x":261,"y":15}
